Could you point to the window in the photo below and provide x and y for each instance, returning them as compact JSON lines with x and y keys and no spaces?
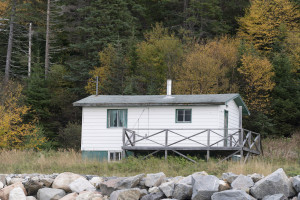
{"x":116,"y":118}
{"x":115,"y":156}
{"x":183,"y":115}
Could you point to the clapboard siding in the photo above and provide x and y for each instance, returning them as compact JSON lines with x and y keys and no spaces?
{"x":97,"y":137}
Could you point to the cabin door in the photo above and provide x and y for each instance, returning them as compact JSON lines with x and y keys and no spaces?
{"x":225,"y":127}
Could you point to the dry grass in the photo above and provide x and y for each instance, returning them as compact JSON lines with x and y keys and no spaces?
{"x":278,"y":153}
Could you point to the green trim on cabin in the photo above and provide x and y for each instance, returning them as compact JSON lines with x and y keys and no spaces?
{"x":239,"y":102}
{"x":96,"y":155}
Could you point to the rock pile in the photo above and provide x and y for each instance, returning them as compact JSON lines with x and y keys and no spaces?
{"x":198,"y":186}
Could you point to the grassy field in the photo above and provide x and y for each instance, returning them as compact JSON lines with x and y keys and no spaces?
{"x":278,"y":153}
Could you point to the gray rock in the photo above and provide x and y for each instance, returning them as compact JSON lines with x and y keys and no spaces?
{"x":3,"y":179}
{"x":154,"y":196}
{"x":296,"y":183}
{"x":275,"y":183}
{"x":242,"y":182}
{"x":32,"y":186}
{"x":229,"y":177}
{"x":182,"y":191}
{"x":95,"y":181}
{"x":89,"y":195}
{"x":231,"y":195}
{"x":186,"y":180}
{"x":15,"y":180}
{"x":130,"y":182}
{"x":167,"y":188}
{"x":154,"y":179}
{"x":63,"y":180}
{"x":299,"y":196}
{"x":17,"y":194}
{"x":109,"y":186}
{"x":223,"y":185}
{"x":126,"y":194}
{"x":275,"y":197}
{"x":255,"y":177}
{"x":1,"y":185}
{"x":204,"y":187}
{"x":50,"y":194}
{"x":30,"y":198}
{"x":47,"y":181}
{"x":4,"y":193}
{"x":154,"y":189}
{"x":70,"y":196}
{"x":80,"y":185}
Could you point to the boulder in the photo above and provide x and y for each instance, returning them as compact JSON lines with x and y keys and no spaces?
{"x":4,"y":193}
{"x":15,"y":180}
{"x":50,"y":194}
{"x":154,"y":179}
{"x":71,"y":196}
{"x":299,"y":196}
{"x":255,"y":177}
{"x":109,"y":186}
{"x":89,"y":195}
{"x":17,"y":194}
{"x":154,"y":189}
{"x":1,"y":185}
{"x":30,"y":198}
{"x":63,"y":180}
{"x":32,"y":186}
{"x":95,"y":181}
{"x":126,"y":194}
{"x":167,"y":188}
{"x":231,"y":195}
{"x":242,"y":182}
{"x":182,"y":191}
{"x":7,"y":180}
{"x":275,"y":197}
{"x":275,"y":183}
{"x":3,"y":179}
{"x":130,"y":182}
{"x":154,"y":196}
{"x":81,"y":184}
{"x":223,"y":185}
{"x":186,"y":180}
{"x":296,"y":183}
{"x":204,"y":186}
{"x":47,"y":181}
{"x":229,"y":177}
{"x":176,"y":179}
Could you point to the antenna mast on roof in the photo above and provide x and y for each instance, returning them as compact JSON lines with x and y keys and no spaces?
{"x":97,"y":78}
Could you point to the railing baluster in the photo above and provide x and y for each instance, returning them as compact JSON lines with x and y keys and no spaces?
{"x":123,"y":139}
{"x":166,"y":145}
{"x":208,"y":144}
{"x":133,"y":138}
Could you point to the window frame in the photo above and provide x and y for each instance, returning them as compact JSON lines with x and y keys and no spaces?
{"x":176,"y":116}
{"x":117,"y":156}
{"x":108,"y":118}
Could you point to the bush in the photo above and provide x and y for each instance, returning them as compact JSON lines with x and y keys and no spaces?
{"x":70,"y":136}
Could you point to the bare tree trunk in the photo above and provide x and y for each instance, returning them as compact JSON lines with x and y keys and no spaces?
{"x":47,"y":41}
{"x":10,"y":42}
{"x":29,"y":49}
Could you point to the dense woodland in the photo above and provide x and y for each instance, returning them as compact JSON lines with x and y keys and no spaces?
{"x":53,"y":50}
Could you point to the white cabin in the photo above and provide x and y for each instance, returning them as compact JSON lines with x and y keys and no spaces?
{"x":105,"y":116}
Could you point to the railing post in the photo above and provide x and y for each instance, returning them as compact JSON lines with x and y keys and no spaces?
{"x":208,"y":144}
{"x":166,"y":145}
{"x":241,"y":135}
{"x":230,"y":140}
{"x":133,"y":138}
{"x":249,"y":139}
{"x":123,"y":139}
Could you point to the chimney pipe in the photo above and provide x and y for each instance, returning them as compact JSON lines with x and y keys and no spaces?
{"x":169,"y":87}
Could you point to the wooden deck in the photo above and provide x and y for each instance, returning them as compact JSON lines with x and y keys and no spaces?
{"x":236,"y":142}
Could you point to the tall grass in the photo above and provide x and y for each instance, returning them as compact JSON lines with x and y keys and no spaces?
{"x":278,"y":153}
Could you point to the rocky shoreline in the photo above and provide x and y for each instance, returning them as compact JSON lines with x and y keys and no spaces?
{"x":198,"y":186}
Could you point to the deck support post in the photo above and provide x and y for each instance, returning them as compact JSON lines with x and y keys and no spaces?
{"x":133,"y":138}
{"x":123,"y":139}
{"x":208,"y":145}
{"x":241,"y":132}
{"x":166,"y":145}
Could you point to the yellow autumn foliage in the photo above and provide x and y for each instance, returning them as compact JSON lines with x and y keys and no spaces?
{"x":3,"y":7}
{"x":14,"y":132}
{"x":107,"y":59}
{"x":207,"y":68}
{"x":257,"y":75}
{"x":262,"y":21}
{"x":293,"y":48}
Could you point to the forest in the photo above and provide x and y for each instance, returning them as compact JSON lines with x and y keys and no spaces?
{"x":53,"y":50}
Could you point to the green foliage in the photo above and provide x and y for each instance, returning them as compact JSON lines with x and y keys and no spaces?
{"x":70,"y":136}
